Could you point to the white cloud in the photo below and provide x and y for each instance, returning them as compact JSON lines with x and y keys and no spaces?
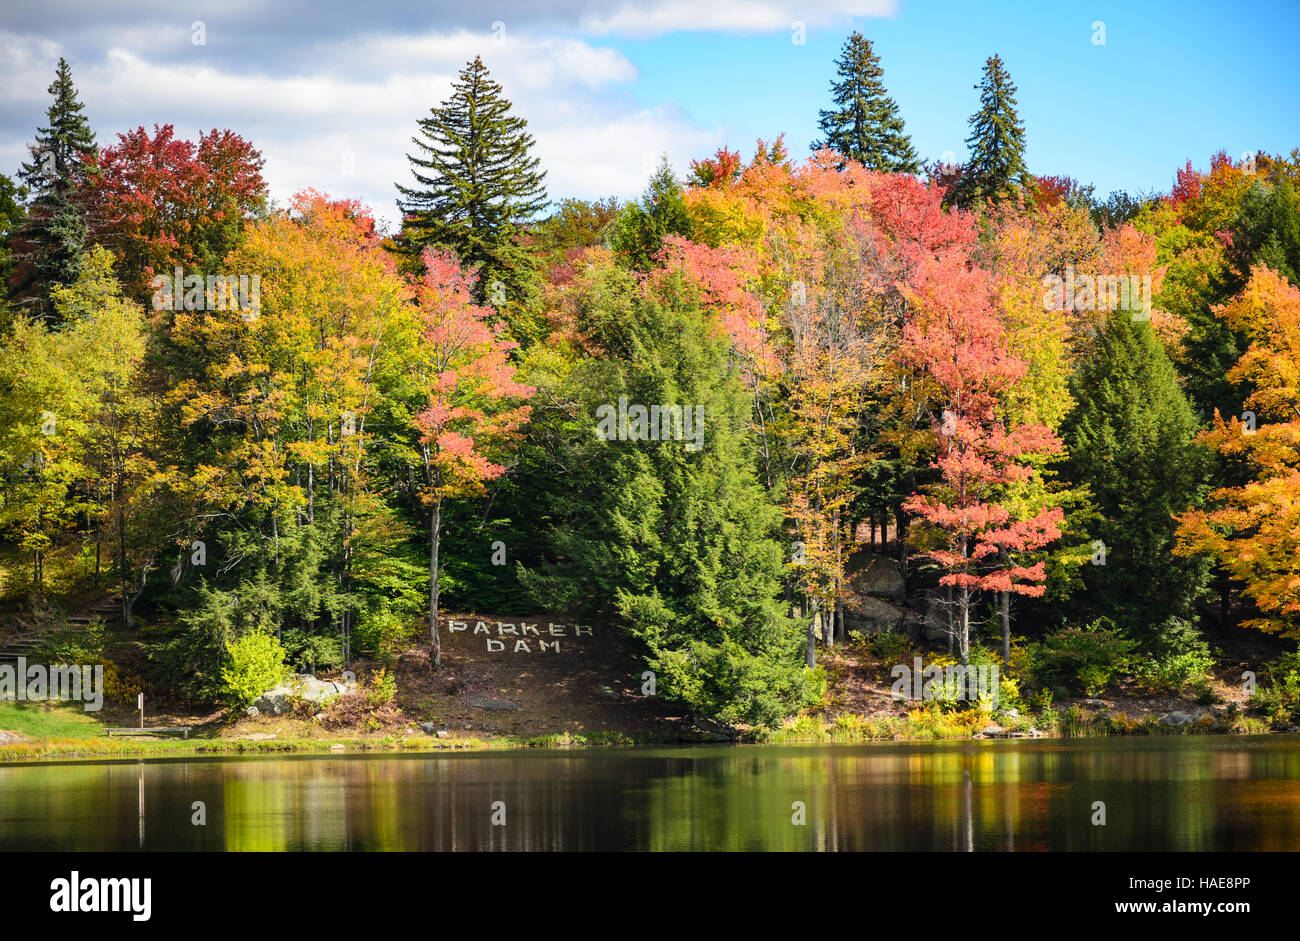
{"x":344,"y":127}
{"x":746,"y":16}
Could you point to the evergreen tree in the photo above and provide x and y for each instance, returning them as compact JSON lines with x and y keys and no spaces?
{"x":996,"y":144}
{"x":475,"y":185}
{"x":865,"y":125}
{"x":639,"y":229}
{"x":674,"y":538}
{"x":1130,"y":442}
{"x":50,"y":246}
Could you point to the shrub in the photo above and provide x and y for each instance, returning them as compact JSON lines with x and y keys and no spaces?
{"x":1178,"y":657}
{"x":890,"y":646}
{"x":1081,"y":659}
{"x":256,"y":664}
{"x":383,"y":688}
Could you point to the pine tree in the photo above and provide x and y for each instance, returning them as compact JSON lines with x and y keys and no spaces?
{"x":49,"y":248}
{"x":1130,"y":441}
{"x":476,"y":184}
{"x":996,"y":143}
{"x":672,"y":535}
{"x":865,"y":125}
{"x":638,"y":232}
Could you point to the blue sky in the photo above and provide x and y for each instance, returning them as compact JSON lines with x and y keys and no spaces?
{"x":1174,"y":81}
{"x":330,"y":90}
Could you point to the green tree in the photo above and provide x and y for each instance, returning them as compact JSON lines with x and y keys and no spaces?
{"x":864,"y":125}
{"x":638,"y":231}
{"x":62,"y":157}
{"x":1130,"y":442}
{"x":996,"y":165}
{"x":673,"y":536}
{"x":476,"y":184}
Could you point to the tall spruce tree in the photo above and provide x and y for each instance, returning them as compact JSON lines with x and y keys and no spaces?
{"x":638,"y":231}
{"x":996,"y":166}
{"x":865,"y":125}
{"x":1130,"y":442}
{"x":50,"y":246}
{"x":671,"y":535}
{"x":476,"y":184}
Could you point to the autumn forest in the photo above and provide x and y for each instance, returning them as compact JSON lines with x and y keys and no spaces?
{"x":254,"y":439}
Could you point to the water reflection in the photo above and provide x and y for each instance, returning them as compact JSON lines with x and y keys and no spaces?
{"x":1202,"y":793}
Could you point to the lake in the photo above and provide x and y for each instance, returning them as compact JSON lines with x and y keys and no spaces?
{"x":1161,"y":793}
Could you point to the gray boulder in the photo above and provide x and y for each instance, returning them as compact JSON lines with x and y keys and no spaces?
{"x":278,"y":701}
{"x":871,"y":615}
{"x":1175,"y":718}
{"x":877,"y":576}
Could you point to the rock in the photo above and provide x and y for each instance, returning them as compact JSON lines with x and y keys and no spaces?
{"x":1175,"y":718}
{"x":318,"y":716}
{"x":610,"y":692}
{"x":1013,"y":713}
{"x":715,"y":731}
{"x":442,"y":733}
{"x":11,"y":738}
{"x":337,"y":747}
{"x":876,"y":576}
{"x":428,"y":728}
{"x":992,"y":730}
{"x":261,"y":736}
{"x":1095,"y":703}
{"x":870,"y":615}
{"x":278,"y":701}
{"x":494,"y":705}
{"x":252,"y":712}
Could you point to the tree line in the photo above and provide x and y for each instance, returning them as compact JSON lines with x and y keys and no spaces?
{"x":333,"y":458}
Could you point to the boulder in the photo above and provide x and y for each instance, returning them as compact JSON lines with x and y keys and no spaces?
{"x":877,"y":576}
{"x":871,"y":615}
{"x":11,"y":738}
{"x":278,"y":701}
{"x":428,"y":728}
{"x":252,"y":712}
{"x":1175,"y":718}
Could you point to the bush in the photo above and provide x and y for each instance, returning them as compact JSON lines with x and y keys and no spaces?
{"x":1082,"y":659}
{"x":256,"y":665}
{"x":1279,"y":701}
{"x":383,"y":688}
{"x":1178,"y":657}
{"x":890,"y":646}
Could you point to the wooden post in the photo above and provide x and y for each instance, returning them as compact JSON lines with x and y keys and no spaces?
{"x":140,"y":703}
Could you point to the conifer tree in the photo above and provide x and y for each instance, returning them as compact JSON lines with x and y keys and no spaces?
{"x":1130,"y":441}
{"x":864,"y":125}
{"x":475,"y":185}
{"x":50,"y":246}
{"x":638,"y":232}
{"x":997,"y":142}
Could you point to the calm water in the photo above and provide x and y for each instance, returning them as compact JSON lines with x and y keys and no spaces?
{"x":1193,"y":793}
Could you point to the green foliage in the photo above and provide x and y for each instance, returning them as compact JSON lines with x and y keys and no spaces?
{"x":638,"y":231}
{"x":1082,"y":659}
{"x":1130,"y":443}
{"x":476,"y":184}
{"x":62,"y":158}
{"x":995,"y":167}
{"x":1175,"y":657}
{"x":679,"y":544}
{"x":1278,"y":701}
{"x":256,"y":664}
{"x":864,"y":124}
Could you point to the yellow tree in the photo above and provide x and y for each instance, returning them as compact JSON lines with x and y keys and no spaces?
{"x":1253,"y":530}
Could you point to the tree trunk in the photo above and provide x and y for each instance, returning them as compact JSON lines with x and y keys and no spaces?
{"x":435,"y":645}
{"x":810,"y":656}
{"x":963,"y":638}
{"x":1006,"y":628}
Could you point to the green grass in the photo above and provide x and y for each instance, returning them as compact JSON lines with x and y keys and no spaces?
{"x":49,"y":720}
